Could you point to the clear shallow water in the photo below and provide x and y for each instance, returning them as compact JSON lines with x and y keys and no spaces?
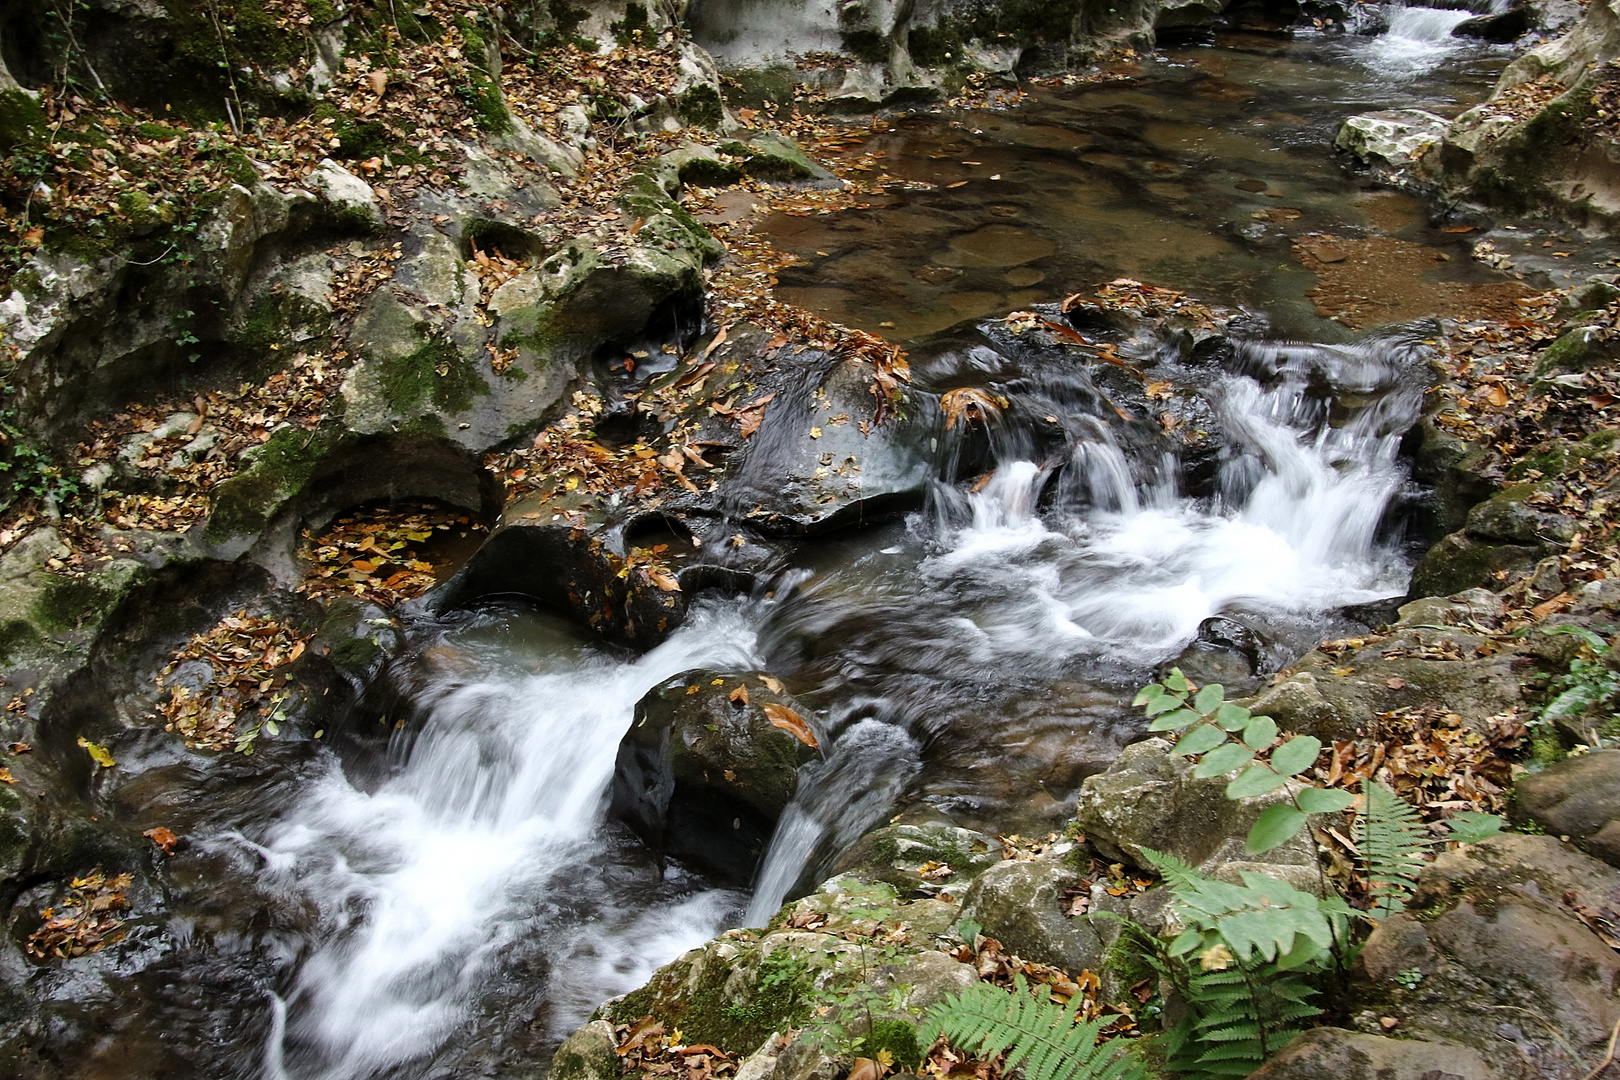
{"x":1197,"y":174}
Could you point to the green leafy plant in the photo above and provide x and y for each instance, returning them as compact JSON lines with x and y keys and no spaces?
{"x":1590,"y":689}
{"x":1228,"y":736}
{"x":1408,"y":979}
{"x":1245,"y":966}
{"x":1037,"y":1034}
{"x":1393,"y":843}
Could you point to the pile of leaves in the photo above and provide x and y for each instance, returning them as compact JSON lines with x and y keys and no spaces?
{"x":647,"y":1048}
{"x":246,"y":656}
{"x":382,"y":554}
{"x":84,"y":921}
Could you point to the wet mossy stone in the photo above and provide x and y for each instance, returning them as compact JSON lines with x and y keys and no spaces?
{"x":767,"y":155}
{"x":704,"y":773}
{"x":1577,"y":351}
{"x":1509,"y":517}
{"x":275,"y":472}
{"x":1459,"y":562}
{"x":588,"y":1054}
{"x":696,"y":164}
{"x":896,"y":855}
{"x":22,"y":120}
{"x":701,"y":106}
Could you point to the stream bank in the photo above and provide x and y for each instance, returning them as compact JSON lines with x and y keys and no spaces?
{"x":641,"y":435}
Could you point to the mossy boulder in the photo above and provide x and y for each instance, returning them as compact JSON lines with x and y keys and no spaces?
{"x":706,"y":769}
{"x":1459,"y":562}
{"x":1579,"y":350}
{"x":1149,"y":798}
{"x":1513,"y":516}
{"x":22,"y":119}
{"x":274,"y":473}
{"x":767,"y":155}
{"x":588,"y":1054}
{"x":921,"y":858}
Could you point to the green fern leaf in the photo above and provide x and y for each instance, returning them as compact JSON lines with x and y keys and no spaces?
{"x":1392,"y":843}
{"x":1037,"y":1034}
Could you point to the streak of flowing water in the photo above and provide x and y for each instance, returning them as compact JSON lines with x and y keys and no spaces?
{"x":427,"y":880}
{"x":1417,"y":40}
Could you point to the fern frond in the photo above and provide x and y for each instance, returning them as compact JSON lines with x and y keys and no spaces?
{"x":1392,"y":841}
{"x":1037,"y":1034}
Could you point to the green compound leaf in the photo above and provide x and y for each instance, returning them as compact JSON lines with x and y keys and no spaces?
{"x":1200,"y":740}
{"x":1223,"y":759}
{"x":1276,"y":826}
{"x":1296,"y":755}
{"x":1317,"y":800}
{"x":1257,"y":780}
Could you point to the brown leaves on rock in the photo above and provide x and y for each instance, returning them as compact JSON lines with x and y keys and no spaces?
{"x":163,"y":838}
{"x":969,"y":403}
{"x":386,"y":554}
{"x":238,"y":664}
{"x":993,"y":964}
{"x":84,"y":921}
{"x":791,"y":722}
{"x":648,"y":1048}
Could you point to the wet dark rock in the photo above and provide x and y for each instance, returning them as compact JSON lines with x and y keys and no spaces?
{"x":703,"y":776}
{"x":1499,"y":29}
{"x":565,"y":555}
{"x":1451,"y":471}
{"x":1577,"y":798}
{"x":811,"y":467}
{"x":1225,"y":652}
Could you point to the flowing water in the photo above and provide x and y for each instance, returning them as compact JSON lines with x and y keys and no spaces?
{"x":464,"y":901}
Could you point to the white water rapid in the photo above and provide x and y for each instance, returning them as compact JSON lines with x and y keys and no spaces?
{"x":1418,"y":40}
{"x":485,"y":846}
{"x":492,"y":814}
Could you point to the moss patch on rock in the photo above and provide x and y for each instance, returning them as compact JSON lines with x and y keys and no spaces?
{"x":243,"y":504}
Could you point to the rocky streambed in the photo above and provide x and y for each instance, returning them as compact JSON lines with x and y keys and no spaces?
{"x":572,"y":556}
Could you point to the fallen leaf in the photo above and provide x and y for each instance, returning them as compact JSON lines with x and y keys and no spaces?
{"x":163,"y":838}
{"x":663,"y":579}
{"x":740,"y":695}
{"x":791,"y":722}
{"x":99,"y":754}
{"x":771,"y":684}
{"x":1396,"y":683}
{"x":866,"y":1069}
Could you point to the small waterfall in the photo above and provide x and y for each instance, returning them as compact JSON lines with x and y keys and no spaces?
{"x":492,"y":809}
{"x":838,"y":800}
{"x":1416,"y":40}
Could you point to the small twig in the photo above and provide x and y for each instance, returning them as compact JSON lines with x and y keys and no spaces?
{"x":1608,"y":1057}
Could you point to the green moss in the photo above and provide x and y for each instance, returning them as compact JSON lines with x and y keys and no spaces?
{"x":633,"y":27}
{"x":701,"y":106}
{"x":866,"y":45}
{"x":321,"y":12}
{"x":897,"y":1037}
{"x":935,"y":46}
{"x":14,"y":634}
{"x":243,"y":504}
{"x":436,"y":372}
{"x":66,"y":603}
{"x":566,"y":19}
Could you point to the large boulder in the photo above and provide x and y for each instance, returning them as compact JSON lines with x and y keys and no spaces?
{"x":1149,"y":799}
{"x":709,"y":765}
{"x":1500,"y":952}
{"x":1577,"y":798}
{"x":1336,"y":1054}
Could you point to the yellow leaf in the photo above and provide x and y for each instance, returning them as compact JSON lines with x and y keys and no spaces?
{"x":97,"y":753}
{"x":815,"y":433}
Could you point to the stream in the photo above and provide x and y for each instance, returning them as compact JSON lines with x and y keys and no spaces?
{"x":463,"y":901}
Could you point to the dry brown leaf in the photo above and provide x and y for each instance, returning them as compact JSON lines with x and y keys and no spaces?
{"x":791,"y":722}
{"x":740,"y":695}
{"x":163,"y":838}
